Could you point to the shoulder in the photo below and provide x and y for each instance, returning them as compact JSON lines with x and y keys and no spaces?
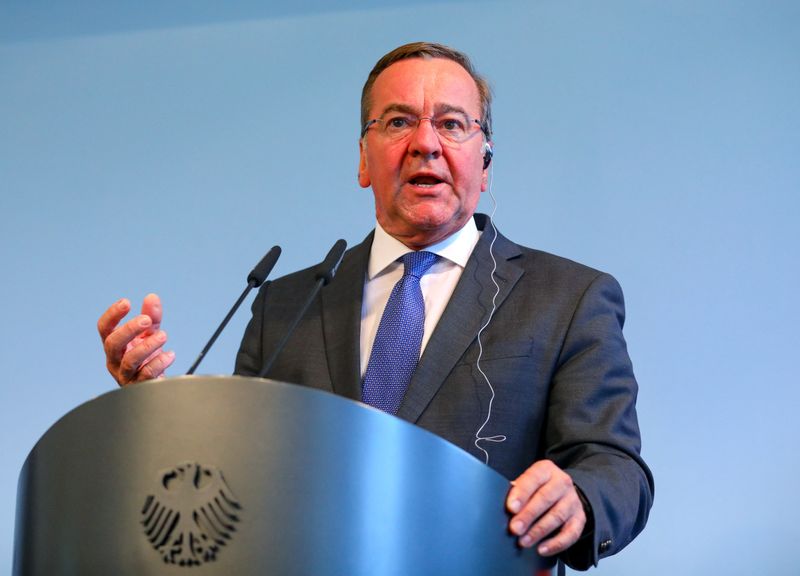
{"x":562,"y":273}
{"x":553,"y":265}
{"x":540,"y":270}
{"x":292,"y":285}
{"x":582,"y":287}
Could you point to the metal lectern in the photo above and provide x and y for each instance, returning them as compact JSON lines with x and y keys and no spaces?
{"x":230,"y":475}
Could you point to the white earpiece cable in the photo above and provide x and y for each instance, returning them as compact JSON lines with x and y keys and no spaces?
{"x":499,"y":437}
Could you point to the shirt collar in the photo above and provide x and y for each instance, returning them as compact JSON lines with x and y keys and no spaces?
{"x":456,"y":248}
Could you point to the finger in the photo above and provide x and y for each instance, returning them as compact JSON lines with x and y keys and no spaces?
{"x":567,"y":511}
{"x":116,"y":343}
{"x":155,"y":367}
{"x":565,"y":538}
{"x":543,"y":484}
{"x":549,"y":495}
{"x":111,"y":317}
{"x":137,"y":355}
{"x":525,"y":485}
{"x":151,"y":306}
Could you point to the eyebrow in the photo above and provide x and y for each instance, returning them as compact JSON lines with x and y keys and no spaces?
{"x":438,"y":109}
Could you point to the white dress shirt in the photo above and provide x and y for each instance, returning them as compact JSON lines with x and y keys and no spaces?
{"x":384,"y":271}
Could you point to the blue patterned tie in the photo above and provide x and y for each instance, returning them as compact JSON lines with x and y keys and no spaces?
{"x":395,"y":352}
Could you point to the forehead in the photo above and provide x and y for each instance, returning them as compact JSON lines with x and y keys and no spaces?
{"x":425,"y":85}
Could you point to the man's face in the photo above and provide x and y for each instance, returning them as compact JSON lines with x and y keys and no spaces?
{"x":425,"y":187}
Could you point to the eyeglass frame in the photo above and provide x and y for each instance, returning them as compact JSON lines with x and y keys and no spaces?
{"x":432,"y":118}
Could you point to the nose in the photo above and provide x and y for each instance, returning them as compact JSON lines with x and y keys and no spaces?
{"x":424,"y":140}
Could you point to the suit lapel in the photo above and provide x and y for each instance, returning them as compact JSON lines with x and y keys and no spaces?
{"x":341,"y":321}
{"x":466,"y":312}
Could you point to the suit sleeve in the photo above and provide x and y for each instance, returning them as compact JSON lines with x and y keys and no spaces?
{"x":592,"y":431}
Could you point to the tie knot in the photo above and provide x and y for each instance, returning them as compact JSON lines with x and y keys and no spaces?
{"x":418,"y":263}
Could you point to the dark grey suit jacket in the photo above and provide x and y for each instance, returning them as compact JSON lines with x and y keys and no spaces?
{"x":554,"y":353}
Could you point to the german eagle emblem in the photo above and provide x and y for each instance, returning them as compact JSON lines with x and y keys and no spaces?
{"x":191,"y":516}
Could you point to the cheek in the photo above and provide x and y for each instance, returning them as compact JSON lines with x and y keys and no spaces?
{"x":468,"y":173}
{"x":383,"y":165}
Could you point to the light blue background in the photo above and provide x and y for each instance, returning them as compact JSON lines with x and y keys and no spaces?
{"x":151,"y":146}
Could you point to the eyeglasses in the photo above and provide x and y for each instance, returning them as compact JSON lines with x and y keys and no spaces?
{"x":453,"y":127}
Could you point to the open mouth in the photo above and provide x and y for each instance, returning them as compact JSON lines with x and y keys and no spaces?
{"x":425,"y":181}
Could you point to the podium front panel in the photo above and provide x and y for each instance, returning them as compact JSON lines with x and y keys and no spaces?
{"x":230,"y":475}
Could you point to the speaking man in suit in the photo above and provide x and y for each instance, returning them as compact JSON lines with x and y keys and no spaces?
{"x":515,"y":355}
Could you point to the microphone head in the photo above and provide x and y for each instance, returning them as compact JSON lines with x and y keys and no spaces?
{"x":261,"y":271}
{"x":326,"y":269}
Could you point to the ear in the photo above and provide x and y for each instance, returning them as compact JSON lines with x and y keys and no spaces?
{"x":363,"y":171}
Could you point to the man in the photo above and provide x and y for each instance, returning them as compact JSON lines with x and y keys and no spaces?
{"x":551,"y":360}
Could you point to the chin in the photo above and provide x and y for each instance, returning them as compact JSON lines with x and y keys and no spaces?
{"x":434,"y":227}
{"x":432,"y":222}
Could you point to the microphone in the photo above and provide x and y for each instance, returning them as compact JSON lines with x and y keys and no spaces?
{"x":326,"y":269}
{"x":323,"y":274}
{"x":254,"y":280}
{"x":263,"y":268}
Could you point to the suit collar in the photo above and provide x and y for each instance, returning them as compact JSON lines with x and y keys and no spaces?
{"x":341,"y":320}
{"x":468,"y":310}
